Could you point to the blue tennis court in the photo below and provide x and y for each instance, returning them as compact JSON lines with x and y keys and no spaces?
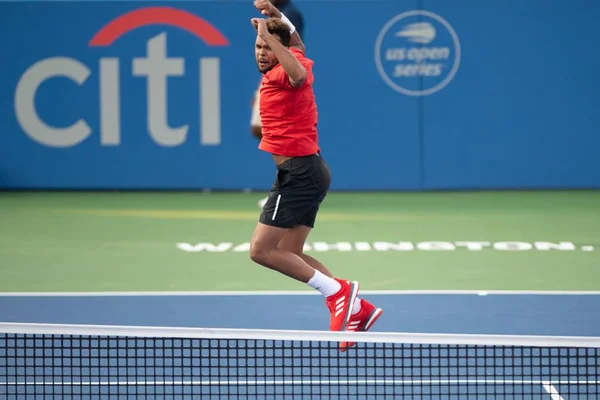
{"x":298,"y":366}
{"x":530,"y":313}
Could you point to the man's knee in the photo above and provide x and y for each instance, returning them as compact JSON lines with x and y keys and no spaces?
{"x":264,"y":241}
{"x":259,"y":253}
{"x":256,"y":253}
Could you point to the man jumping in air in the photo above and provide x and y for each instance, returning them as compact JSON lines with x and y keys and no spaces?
{"x":296,"y":18}
{"x":289,"y":119}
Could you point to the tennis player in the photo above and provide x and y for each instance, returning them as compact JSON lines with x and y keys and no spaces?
{"x":297,"y":19}
{"x":289,"y":119}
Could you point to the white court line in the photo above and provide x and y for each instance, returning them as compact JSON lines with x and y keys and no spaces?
{"x":302,"y":293}
{"x":273,"y":382}
{"x":549,"y":387}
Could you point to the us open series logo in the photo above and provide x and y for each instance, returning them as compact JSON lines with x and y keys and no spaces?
{"x":417,"y":53}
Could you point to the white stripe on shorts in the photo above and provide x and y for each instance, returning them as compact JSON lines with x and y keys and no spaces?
{"x":276,"y":207}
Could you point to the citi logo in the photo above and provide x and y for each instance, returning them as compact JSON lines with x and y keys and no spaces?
{"x":156,"y":68}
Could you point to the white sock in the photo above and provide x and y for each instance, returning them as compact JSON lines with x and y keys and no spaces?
{"x":356,"y":308}
{"x":324,"y":284}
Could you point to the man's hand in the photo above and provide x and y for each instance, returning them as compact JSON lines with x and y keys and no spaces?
{"x":266,"y":8}
{"x":260,"y":24}
{"x":269,"y":10}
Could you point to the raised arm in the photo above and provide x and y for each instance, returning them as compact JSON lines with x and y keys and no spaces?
{"x":266,"y":8}
{"x":296,"y":41}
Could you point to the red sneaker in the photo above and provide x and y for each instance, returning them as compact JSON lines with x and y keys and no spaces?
{"x":340,"y":304}
{"x":362,"y":321}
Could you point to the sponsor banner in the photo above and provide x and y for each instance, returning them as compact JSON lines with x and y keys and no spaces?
{"x":412,"y":95}
{"x":144,"y":95}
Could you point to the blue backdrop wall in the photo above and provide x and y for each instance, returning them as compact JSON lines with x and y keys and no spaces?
{"x":412,"y":95}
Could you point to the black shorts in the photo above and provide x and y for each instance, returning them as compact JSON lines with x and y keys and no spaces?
{"x":300,"y":186}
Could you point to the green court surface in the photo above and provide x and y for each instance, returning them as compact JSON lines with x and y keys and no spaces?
{"x":81,"y":241}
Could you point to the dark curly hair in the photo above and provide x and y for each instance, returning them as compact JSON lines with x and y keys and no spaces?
{"x":275,"y":26}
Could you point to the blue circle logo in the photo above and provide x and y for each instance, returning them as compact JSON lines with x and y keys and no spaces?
{"x":417,"y":53}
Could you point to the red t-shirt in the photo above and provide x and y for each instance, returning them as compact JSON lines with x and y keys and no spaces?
{"x":288,"y":114}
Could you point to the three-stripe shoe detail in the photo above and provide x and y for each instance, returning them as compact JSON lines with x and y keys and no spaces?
{"x":362,"y":321}
{"x":353,"y":325}
{"x":339,"y":308}
{"x":341,"y":303}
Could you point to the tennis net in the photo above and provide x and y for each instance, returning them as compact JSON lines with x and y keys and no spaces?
{"x":86,"y":361}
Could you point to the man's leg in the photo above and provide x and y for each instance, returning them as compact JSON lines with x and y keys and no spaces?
{"x":340,"y":295}
{"x":264,"y":251}
{"x":364,"y":314}
{"x":294,"y":199}
{"x":293,"y":240}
